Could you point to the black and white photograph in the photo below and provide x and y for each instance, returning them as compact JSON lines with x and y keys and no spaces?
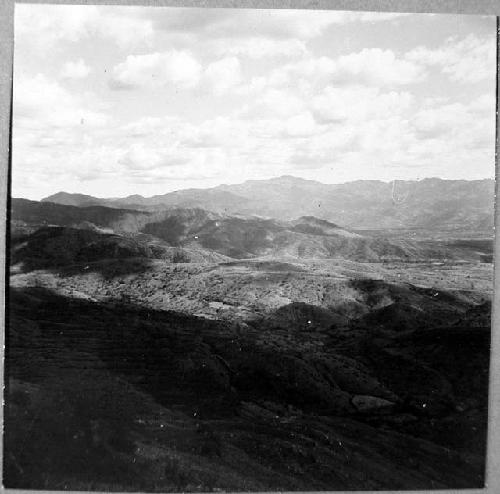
{"x":249,"y":249}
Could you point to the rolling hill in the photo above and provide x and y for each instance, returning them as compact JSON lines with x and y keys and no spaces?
{"x":204,"y":232}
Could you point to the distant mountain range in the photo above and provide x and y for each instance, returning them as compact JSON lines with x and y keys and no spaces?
{"x":284,"y":217}
{"x":431,"y":203}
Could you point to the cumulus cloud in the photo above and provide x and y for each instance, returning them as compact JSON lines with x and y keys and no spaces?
{"x":484,"y":105}
{"x":301,"y":125}
{"x":56,"y":134}
{"x":144,"y":164}
{"x":376,"y":66}
{"x":222,"y":132}
{"x":247,"y":93}
{"x":127,"y":31}
{"x":45,"y":27}
{"x":373,"y":17}
{"x":469,"y":60}
{"x":381,"y":139}
{"x":75,"y":70}
{"x":339,"y":104}
{"x":260,"y":47}
{"x":179,"y":68}
{"x":143,"y":157}
{"x":467,"y":125}
{"x":440,"y":120}
{"x":244,"y":23}
{"x":144,"y":127}
{"x":314,"y":70}
{"x":224,"y":74}
{"x":364,"y":127}
{"x":274,"y":102}
{"x":370,"y":66}
{"x":41,"y":102}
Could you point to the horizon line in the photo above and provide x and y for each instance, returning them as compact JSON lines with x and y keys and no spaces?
{"x":286,"y":176}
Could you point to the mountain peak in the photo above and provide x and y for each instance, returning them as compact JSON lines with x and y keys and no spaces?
{"x":69,"y":199}
{"x":290,"y":179}
{"x":134,"y":197}
{"x":61,"y":194}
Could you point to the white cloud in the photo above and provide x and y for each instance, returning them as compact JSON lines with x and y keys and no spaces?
{"x":376,"y":66}
{"x":468,"y":125}
{"x":373,"y":142}
{"x":223,"y":132}
{"x":245,"y":23}
{"x":291,"y":103}
{"x":126,"y":31}
{"x":376,"y":129}
{"x":440,"y":120}
{"x":359,"y":103}
{"x":179,"y":68}
{"x":147,"y":126}
{"x":260,"y":47}
{"x":301,"y":125}
{"x":484,"y":105}
{"x":470,"y":60}
{"x":313,"y":70}
{"x":49,"y":24}
{"x":373,"y":17}
{"x":310,"y":24}
{"x":75,"y":70}
{"x":274,"y":103}
{"x":45,"y":27}
{"x":55,"y":134}
{"x":363,"y":128}
{"x":143,"y":157}
{"x":145,"y":164}
{"x":224,"y":74}
{"x":265,"y":128}
{"x":370,"y":67}
{"x":40,"y":102}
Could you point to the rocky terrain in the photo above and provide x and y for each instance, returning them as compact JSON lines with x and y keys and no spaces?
{"x":189,"y":349}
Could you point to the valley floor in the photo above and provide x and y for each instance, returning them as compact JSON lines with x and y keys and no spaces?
{"x":240,"y":288}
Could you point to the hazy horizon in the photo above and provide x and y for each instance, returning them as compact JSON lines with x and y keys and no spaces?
{"x":112,"y":101}
{"x":74,"y":192}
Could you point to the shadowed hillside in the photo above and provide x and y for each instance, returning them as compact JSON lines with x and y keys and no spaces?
{"x":235,"y":237}
{"x":124,"y":398}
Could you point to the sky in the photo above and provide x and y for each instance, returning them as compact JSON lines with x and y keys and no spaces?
{"x":115,"y":100}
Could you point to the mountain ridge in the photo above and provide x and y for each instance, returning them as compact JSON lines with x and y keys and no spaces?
{"x":431,"y":203}
{"x":283,"y":178}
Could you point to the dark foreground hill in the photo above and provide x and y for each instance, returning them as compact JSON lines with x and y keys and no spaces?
{"x":431,"y":203}
{"x":105,"y":396}
{"x":49,"y":213}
